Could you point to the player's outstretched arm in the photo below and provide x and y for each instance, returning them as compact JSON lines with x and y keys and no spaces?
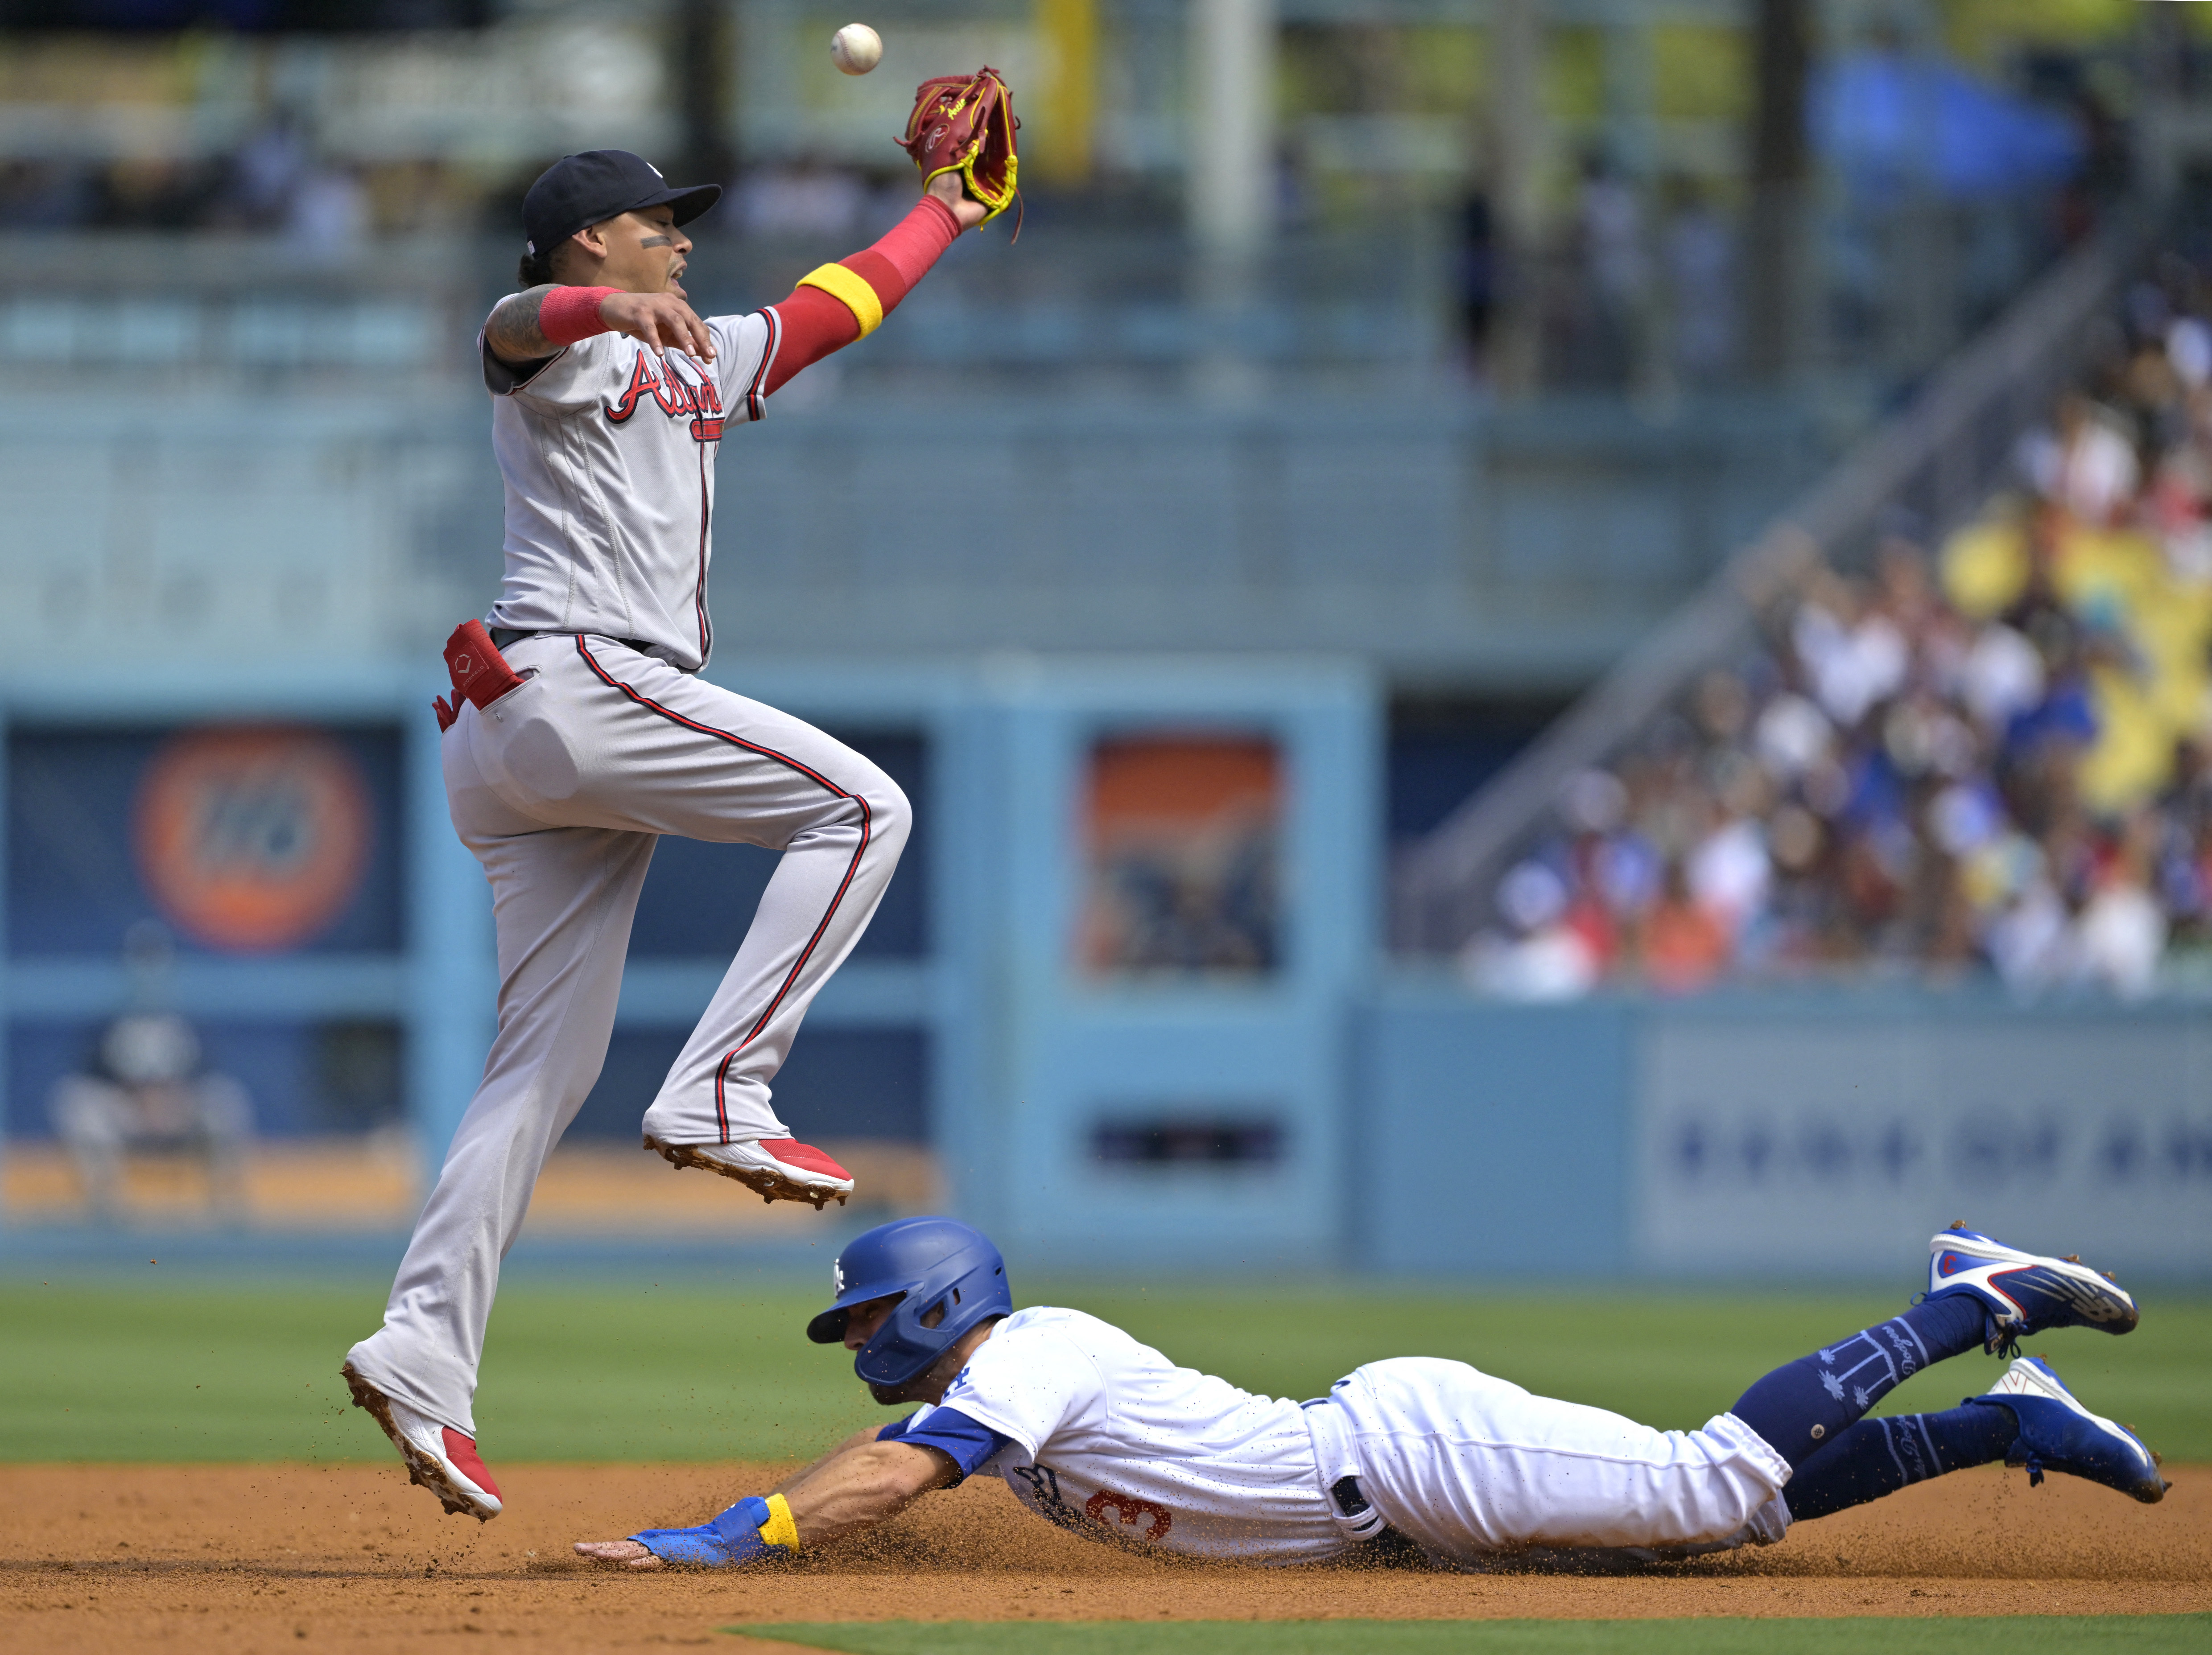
{"x":854,"y":1491}
{"x":853,"y":1488}
{"x":839,"y":303}
{"x":859,"y":1438}
{"x":531,"y":325}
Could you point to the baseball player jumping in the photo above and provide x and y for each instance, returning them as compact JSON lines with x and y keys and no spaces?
{"x":1406,"y":1459}
{"x":579,"y":732}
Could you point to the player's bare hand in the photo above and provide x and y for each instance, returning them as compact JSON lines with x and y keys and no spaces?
{"x":661,"y":320}
{"x":948,"y":188}
{"x":626,"y":1552}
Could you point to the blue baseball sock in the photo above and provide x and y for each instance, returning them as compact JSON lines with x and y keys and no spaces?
{"x":1802,"y":1407}
{"x":1879,"y":1456}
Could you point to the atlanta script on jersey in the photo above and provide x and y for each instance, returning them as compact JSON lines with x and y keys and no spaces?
{"x":607,"y":449}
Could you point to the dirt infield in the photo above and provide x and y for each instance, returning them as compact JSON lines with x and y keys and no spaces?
{"x":251,"y":1558}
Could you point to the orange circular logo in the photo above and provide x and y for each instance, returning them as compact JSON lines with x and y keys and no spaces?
{"x":252,"y":838}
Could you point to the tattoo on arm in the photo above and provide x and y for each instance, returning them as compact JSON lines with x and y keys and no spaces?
{"x":512,"y":332}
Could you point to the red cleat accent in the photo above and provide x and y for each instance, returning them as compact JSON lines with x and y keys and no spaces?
{"x":463,"y":1452}
{"x":806,"y":1156}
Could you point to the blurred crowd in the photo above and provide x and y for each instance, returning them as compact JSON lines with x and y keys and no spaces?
{"x":1629,"y":296}
{"x":277,"y":181}
{"x":1997,"y":758}
{"x":1639,"y":281}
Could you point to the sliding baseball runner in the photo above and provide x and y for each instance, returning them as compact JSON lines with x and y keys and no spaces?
{"x":579,"y":732}
{"x":1407,"y":1460}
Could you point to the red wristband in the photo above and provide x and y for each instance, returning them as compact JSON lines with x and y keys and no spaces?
{"x":568,"y":314}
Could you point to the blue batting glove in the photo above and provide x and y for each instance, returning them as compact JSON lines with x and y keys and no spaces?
{"x":733,"y":1537}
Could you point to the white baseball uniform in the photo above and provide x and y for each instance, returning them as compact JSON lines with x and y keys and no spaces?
{"x":562,"y":787}
{"x":1104,"y":1435}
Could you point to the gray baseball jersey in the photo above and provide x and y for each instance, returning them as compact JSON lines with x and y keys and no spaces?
{"x":607,"y":449}
{"x":562,"y":787}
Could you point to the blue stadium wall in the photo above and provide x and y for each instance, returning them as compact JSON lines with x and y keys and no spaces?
{"x":1331,"y":1113}
{"x":1780,"y":1135}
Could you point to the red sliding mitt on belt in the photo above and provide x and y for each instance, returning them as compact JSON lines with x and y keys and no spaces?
{"x":480,"y":672}
{"x":965,"y":124}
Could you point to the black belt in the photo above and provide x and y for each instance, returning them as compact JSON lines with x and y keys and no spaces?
{"x":1386,"y":1547}
{"x":502,"y":636}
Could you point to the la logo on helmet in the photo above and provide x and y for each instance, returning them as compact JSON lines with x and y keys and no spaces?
{"x":837,"y":1277}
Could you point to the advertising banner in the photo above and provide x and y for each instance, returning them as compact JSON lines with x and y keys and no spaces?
{"x":1771,"y":1145}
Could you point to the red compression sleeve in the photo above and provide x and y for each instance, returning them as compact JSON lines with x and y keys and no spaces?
{"x":915,"y":242}
{"x":567,"y":314}
{"x":815,"y":324}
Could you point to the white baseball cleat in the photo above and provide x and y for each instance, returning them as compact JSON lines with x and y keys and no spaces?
{"x":438,"y":1457}
{"x":775,"y":1169}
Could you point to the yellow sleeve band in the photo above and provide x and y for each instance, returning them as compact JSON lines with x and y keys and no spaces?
{"x":852,"y":291}
{"x":780,"y":1529}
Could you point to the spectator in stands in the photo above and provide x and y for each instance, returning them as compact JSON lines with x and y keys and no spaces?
{"x":1606,"y":305}
{"x":1999,"y":758}
{"x":266,"y":173}
{"x":166,"y":194}
{"x":1475,"y":277}
{"x":1699,"y":257}
{"x":328,"y":216}
{"x":147,"y":1089}
{"x":45,"y":194}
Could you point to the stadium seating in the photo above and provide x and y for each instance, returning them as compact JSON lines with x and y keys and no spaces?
{"x":1996,"y":757}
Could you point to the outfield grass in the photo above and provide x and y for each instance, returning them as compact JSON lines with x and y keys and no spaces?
{"x":191,"y":1372}
{"x":2149,"y":1634}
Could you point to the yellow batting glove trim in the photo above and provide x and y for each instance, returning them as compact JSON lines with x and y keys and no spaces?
{"x":780,"y":1530}
{"x":851,"y":291}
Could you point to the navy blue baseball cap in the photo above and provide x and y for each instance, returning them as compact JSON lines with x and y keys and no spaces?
{"x":599,"y":184}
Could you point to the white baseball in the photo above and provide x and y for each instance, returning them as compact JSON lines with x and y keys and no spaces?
{"x":856,"y":49}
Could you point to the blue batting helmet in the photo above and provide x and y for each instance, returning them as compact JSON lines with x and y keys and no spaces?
{"x":937,"y":1263}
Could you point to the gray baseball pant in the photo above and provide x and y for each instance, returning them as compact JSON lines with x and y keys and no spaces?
{"x":561,"y":788}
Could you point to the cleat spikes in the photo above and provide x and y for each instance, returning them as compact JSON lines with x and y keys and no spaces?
{"x":427,"y":1465}
{"x":804,"y":1174}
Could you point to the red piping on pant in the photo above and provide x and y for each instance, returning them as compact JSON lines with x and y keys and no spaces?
{"x":868,"y":819}
{"x":699,"y":593}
